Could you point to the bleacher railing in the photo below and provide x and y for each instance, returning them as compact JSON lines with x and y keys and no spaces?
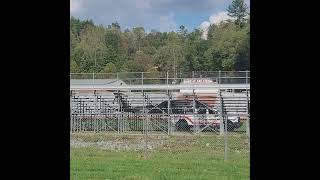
{"x":138,"y":78}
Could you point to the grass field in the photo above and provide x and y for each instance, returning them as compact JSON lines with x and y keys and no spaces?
{"x":175,"y":157}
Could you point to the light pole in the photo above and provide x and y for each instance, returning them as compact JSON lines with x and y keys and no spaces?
{"x":95,"y":60}
{"x":95,"y":64}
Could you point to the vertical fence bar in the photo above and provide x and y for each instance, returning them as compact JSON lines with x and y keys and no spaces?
{"x":169,"y":102}
{"x":93,"y":79}
{"x":142,"y":80}
{"x":221,"y":114}
{"x":167,"y":79}
{"x":247,"y":109}
{"x":226,"y":138}
{"x":194,"y":114}
{"x":169,"y":127}
{"x":144,"y":116}
{"x":143,"y":105}
{"x":71,"y":119}
{"x":121,"y":113}
{"x":83,"y":115}
{"x":95,"y":112}
{"x":118,"y":113}
{"x":147,"y":128}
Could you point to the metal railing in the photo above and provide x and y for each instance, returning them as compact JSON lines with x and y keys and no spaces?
{"x":137,"y":78}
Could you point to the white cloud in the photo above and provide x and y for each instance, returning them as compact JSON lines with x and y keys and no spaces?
{"x":204,"y":27}
{"x":76,"y":6}
{"x":219,"y":17}
{"x":214,"y":19}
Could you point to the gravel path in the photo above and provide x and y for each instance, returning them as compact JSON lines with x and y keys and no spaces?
{"x":119,"y":144}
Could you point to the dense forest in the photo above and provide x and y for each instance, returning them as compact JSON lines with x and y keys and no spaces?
{"x":99,"y":49}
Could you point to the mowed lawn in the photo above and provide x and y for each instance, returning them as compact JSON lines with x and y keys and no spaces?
{"x":192,"y":157}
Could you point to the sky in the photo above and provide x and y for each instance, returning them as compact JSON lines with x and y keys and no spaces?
{"x":160,"y":15}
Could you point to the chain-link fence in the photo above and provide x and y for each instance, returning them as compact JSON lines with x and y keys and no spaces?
{"x":162,"y":133}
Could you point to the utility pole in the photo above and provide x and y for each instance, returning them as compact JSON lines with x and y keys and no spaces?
{"x":95,"y":60}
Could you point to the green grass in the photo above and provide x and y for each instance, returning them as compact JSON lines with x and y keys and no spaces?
{"x":180,"y":157}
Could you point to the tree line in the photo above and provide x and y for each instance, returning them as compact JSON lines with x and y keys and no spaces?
{"x":100,"y":49}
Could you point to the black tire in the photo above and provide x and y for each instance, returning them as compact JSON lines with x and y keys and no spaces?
{"x":182,"y":125}
{"x":230,"y":126}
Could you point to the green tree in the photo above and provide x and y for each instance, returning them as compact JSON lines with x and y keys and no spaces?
{"x":109,"y":68}
{"x":170,"y":58}
{"x":182,"y":31}
{"x":138,"y":35}
{"x":73,"y":44}
{"x":194,"y":51}
{"x":78,"y":26}
{"x":91,"y":50}
{"x":238,"y":9}
{"x":141,"y":62}
{"x":227,"y":47}
{"x":156,"y":39}
{"x":113,"y":40}
{"x":243,"y":56}
{"x":115,"y":25}
{"x":99,"y":49}
{"x":74,"y":68}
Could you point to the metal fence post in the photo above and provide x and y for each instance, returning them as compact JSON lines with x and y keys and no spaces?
{"x":167,"y":79}
{"x":196,"y":127}
{"x":221,"y":114}
{"x":94,"y":114}
{"x":119,"y":110}
{"x":248,"y":126}
{"x":147,"y":119}
{"x":93,"y":79}
{"x":168,"y":110}
{"x":226,"y":138}
{"x":248,"y":111}
{"x":142,"y":80}
{"x":169,"y":102}
{"x":144,"y":121}
{"x":143,"y":104}
{"x":71,"y":119}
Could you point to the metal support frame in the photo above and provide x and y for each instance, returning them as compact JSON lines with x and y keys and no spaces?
{"x":81,"y":124}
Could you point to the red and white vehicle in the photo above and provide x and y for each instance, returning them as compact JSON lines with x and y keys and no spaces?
{"x":184,"y":116}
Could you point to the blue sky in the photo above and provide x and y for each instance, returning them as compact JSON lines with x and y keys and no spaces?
{"x":161,"y":15}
